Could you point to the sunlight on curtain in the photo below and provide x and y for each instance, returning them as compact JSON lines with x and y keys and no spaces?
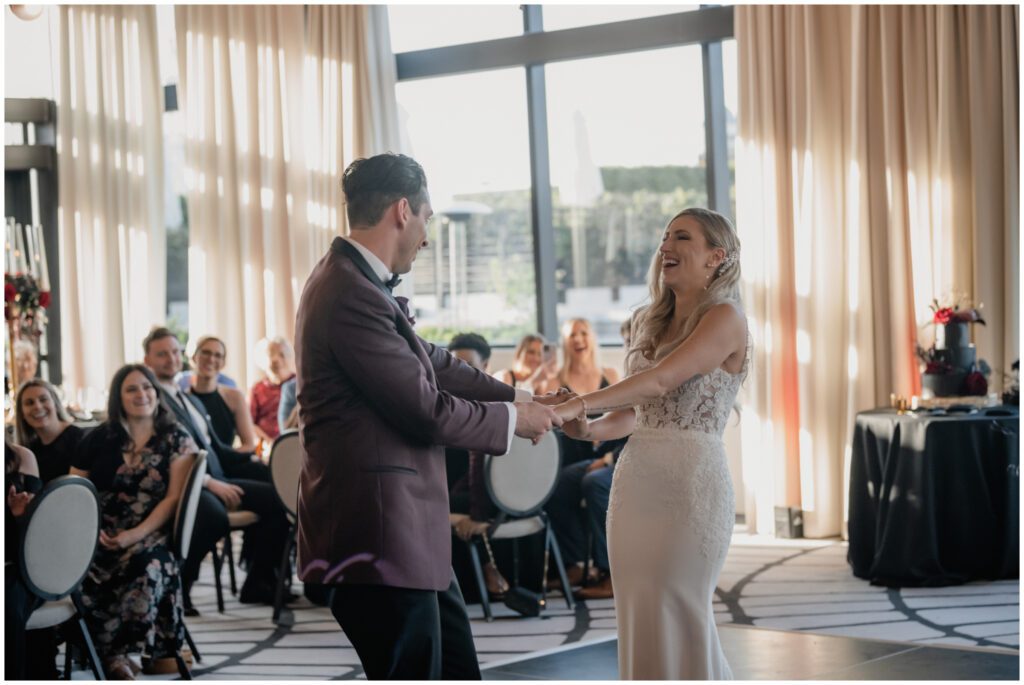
{"x":868,"y":182}
{"x":110,"y":155}
{"x":277,"y":104}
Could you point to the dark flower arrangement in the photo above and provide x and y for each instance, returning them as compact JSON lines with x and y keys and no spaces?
{"x":25,"y":303}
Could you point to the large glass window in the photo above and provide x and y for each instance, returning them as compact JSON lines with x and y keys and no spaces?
{"x":418,"y":27}
{"x":627,"y":152}
{"x":730,"y":79}
{"x":470,"y":134}
{"x":572,"y":16}
{"x":175,"y":209}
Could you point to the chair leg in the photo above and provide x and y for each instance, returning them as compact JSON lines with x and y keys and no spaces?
{"x":284,"y":575}
{"x":182,"y":666}
{"x":230,"y":556}
{"x":586,"y":562}
{"x":218,"y":561}
{"x":90,"y":648}
{"x":196,"y":656}
{"x":69,"y":660}
{"x":485,"y":601}
{"x":557,"y":554}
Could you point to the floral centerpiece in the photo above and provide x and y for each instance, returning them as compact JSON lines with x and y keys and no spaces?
{"x":950,"y":364}
{"x":25,"y":304}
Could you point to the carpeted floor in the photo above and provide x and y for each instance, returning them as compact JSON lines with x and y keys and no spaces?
{"x":801,"y":586}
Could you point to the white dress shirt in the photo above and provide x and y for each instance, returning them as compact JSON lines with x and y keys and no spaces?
{"x":382,"y":272}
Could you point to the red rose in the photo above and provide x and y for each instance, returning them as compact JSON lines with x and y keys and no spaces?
{"x":975,"y":384}
{"x":943,"y":316}
{"x":9,"y":292}
{"x":938,"y":368}
{"x":44,"y":298}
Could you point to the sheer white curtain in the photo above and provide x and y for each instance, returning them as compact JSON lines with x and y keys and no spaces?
{"x":110,"y":154}
{"x":277,"y":100}
{"x":877,"y":168}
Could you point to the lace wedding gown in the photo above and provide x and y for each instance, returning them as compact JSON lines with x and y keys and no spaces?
{"x":670,"y":518}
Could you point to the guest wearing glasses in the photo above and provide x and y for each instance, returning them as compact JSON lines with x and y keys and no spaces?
{"x":225,"y":405}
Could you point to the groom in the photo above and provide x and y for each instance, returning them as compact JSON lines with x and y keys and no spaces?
{"x":378,"y":405}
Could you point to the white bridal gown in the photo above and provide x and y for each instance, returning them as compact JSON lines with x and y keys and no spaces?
{"x":670,"y":519}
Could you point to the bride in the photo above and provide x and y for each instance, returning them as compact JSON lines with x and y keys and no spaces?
{"x":672,"y":509}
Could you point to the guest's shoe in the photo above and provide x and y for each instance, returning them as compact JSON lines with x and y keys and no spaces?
{"x":119,"y":668}
{"x":189,"y":610}
{"x":575,"y":575}
{"x":496,"y":584}
{"x":166,"y":664}
{"x":601,"y":590}
{"x":262,"y":592}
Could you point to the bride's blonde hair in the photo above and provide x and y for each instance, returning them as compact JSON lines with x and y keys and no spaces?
{"x":651,"y":323}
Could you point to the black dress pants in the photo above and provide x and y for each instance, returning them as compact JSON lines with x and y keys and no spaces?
{"x":402,"y":634}
{"x":266,"y":538}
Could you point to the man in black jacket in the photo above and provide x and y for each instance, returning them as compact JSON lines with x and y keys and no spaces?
{"x":234,"y":481}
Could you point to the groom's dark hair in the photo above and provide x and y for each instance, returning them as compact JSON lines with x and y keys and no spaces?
{"x":373,"y":184}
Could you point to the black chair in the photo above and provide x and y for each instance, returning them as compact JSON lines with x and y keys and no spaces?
{"x":184,"y":524}
{"x":285,"y":467}
{"x":62,"y":528}
{"x":520,"y":483}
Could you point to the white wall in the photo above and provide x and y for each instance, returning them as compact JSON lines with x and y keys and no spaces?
{"x":30,"y":55}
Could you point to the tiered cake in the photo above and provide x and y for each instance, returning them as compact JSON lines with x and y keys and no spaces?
{"x":954,"y":351}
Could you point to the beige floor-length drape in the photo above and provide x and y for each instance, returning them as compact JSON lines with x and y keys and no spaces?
{"x":276,"y":103}
{"x":113,"y":251}
{"x":877,"y":168}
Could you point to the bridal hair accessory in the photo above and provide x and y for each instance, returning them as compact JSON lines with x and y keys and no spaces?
{"x":730,"y":259}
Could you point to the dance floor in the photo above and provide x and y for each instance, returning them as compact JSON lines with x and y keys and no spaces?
{"x":786,"y":610}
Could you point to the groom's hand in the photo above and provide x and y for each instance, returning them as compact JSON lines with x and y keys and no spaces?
{"x":533,"y":420}
{"x":553,"y":398}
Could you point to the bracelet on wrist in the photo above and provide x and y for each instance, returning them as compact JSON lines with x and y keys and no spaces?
{"x":583,"y":408}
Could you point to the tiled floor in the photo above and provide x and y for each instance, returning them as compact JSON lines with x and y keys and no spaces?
{"x":760,"y":654}
{"x":838,"y":627}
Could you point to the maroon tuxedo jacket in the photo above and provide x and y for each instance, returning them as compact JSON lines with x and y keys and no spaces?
{"x":377,"y":406}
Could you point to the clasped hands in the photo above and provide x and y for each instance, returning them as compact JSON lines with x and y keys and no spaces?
{"x":562,"y":409}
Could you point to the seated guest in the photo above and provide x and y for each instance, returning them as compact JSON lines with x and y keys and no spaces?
{"x":223,"y":487}
{"x":587,"y":475}
{"x":534,"y":366}
{"x":288,"y":407}
{"x":28,"y":655}
{"x":581,"y":372}
{"x":589,"y":480}
{"x":44,"y":427}
{"x":185,"y":380}
{"x":26,"y":361}
{"x":471,"y":507}
{"x":226,"y":406}
{"x":277,"y":361}
{"x":138,"y":460}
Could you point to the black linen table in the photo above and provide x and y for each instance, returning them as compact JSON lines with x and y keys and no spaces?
{"x":934,"y":499}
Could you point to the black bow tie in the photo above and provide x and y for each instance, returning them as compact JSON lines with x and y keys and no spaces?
{"x":392,"y":282}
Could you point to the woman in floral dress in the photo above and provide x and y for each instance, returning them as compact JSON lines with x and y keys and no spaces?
{"x":138,"y":460}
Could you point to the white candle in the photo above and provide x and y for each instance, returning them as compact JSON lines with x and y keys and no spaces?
{"x":21,"y":264}
{"x":44,"y":267}
{"x":30,"y":251}
{"x":9,"y":246}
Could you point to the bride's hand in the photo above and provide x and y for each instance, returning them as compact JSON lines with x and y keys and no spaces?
{"x":579,"y":429}
{"x":570,"y":410}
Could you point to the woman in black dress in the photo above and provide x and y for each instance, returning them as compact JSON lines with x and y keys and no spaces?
{"x":138,"y":460}
{"x":45,"y":428}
